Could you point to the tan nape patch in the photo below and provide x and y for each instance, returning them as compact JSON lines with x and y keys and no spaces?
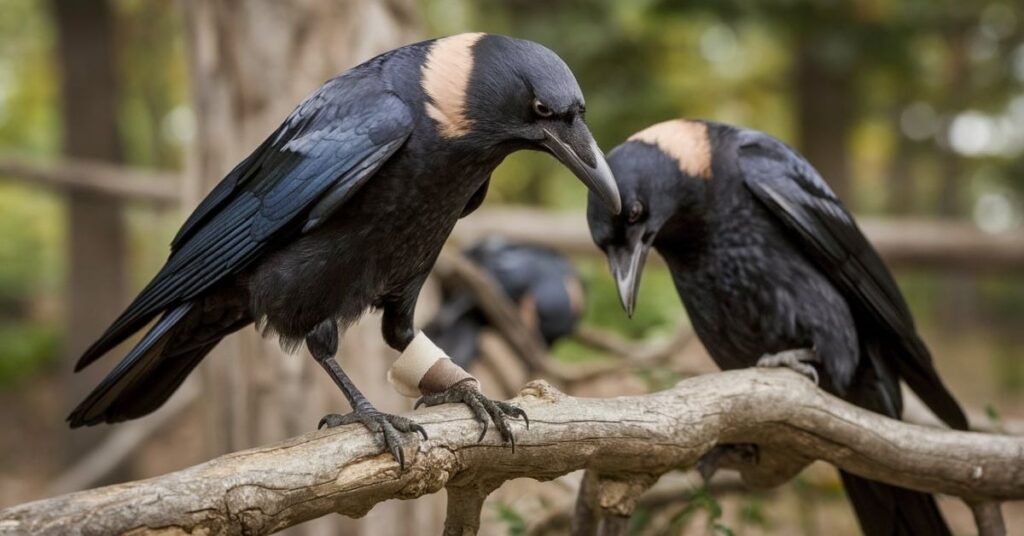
{"x":686,"y":141}
{"x":445,"y":79}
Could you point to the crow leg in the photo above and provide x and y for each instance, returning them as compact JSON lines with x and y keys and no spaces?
{"x":323,"y":344}
{"x":484,"y":409}
{"x":398,"y":331}
{"x":799,"y":360}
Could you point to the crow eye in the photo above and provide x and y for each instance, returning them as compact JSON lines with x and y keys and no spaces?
{"x":541,"y":109}
{"x":636,"y":211}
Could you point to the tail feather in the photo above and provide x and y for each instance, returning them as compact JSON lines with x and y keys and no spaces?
{"x":134,"y":318}
{"x":925,"y":382}
{"x":147,"y":376}
{"x":892,"y":511}
{"x":883,"y":508}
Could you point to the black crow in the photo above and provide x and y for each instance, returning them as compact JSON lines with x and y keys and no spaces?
{"x":772,"y":270}
{"x":540,"y":282}
{"x":345,"y":207}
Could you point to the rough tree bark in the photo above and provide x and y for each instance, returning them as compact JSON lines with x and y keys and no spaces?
{"x":628,"y":442}
{"x":251,"y":63}
{"x":96,"y":240}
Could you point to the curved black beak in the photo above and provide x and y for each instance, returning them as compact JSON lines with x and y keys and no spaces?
{"x":627,"y":265}
{"x":575,"y":148}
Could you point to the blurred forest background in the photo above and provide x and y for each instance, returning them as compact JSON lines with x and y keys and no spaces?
{"x":911,"y":109}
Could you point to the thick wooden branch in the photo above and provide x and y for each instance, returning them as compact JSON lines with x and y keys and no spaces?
{"x":343,"y":470}
{"x":903,"y":243}
{"x":100,"y":177}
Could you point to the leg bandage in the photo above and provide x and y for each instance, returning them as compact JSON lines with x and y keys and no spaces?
{"x":423,"y":368}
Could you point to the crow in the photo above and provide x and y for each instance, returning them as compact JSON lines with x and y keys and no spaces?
{"x":773,"y":270}
{"x":541,"y":282}
{"x":344,"y":208}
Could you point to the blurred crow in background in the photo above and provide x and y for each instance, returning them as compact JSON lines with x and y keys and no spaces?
{"x":773,"y":271}
{"x":343,"y":208}
{"x":540,"y":282}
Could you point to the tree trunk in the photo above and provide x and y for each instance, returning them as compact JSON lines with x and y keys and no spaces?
{"x":96,"y":238}
{"x":252,"y":63}
{"x":900,"y":184}
{"x":958,"y":291}
{"x":824,"y":103}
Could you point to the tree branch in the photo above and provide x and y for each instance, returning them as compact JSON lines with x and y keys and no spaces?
{"x":89,"y":175}
{"x":343,"y":470}
{"x":903,"y":242}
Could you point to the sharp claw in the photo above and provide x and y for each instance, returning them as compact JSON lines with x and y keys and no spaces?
{"x":484,"y":410}
{"x":391,"y":427}
{"x":484,"y":431}
{"x":517,"y":412}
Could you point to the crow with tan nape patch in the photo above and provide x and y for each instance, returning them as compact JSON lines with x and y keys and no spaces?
{"x":773,"y":271}
{"x":344,"y":208}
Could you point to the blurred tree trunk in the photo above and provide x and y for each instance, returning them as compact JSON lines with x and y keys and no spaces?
{"x":959,"y":291}
{"x":96,"y":238}
{"x":901,"y":177}
{"x":251,"y":64}
{"x":825,"y":102}
{"x":900,"y":184}
{"x":957,"y":87}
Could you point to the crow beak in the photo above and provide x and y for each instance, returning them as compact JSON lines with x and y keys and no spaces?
{"x":627,"y":265}
{"x":576,"y":149}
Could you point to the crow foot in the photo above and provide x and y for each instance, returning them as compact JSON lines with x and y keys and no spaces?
{"x":798,"y":360}
{"x":385,"y":424}
{"x":483,"y":408}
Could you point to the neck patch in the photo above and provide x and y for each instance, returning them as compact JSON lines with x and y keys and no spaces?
{"x":685,"y":141}
{"x":445,"y":78}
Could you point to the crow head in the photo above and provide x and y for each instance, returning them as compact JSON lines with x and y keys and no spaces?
{"x":662,"y":173}
{"x":503,"y":94}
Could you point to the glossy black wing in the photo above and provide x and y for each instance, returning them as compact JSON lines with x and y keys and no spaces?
{"x":797,"y":195}
{"x":326,"y":149}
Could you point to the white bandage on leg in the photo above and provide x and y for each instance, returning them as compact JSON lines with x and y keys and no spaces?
{"x":423,"y":368}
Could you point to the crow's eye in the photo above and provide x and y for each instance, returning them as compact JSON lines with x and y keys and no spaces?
{"x":541,"y":109}
{"x":636,"y":211}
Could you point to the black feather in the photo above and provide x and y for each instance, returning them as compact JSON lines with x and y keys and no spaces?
{"x":272,"y":193}
{"x":766,"y":259}
{"x":794,"y":192}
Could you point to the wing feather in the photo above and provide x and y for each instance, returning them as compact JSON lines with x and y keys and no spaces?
{"x":797,"y":195}
{"x":326,"y":149}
